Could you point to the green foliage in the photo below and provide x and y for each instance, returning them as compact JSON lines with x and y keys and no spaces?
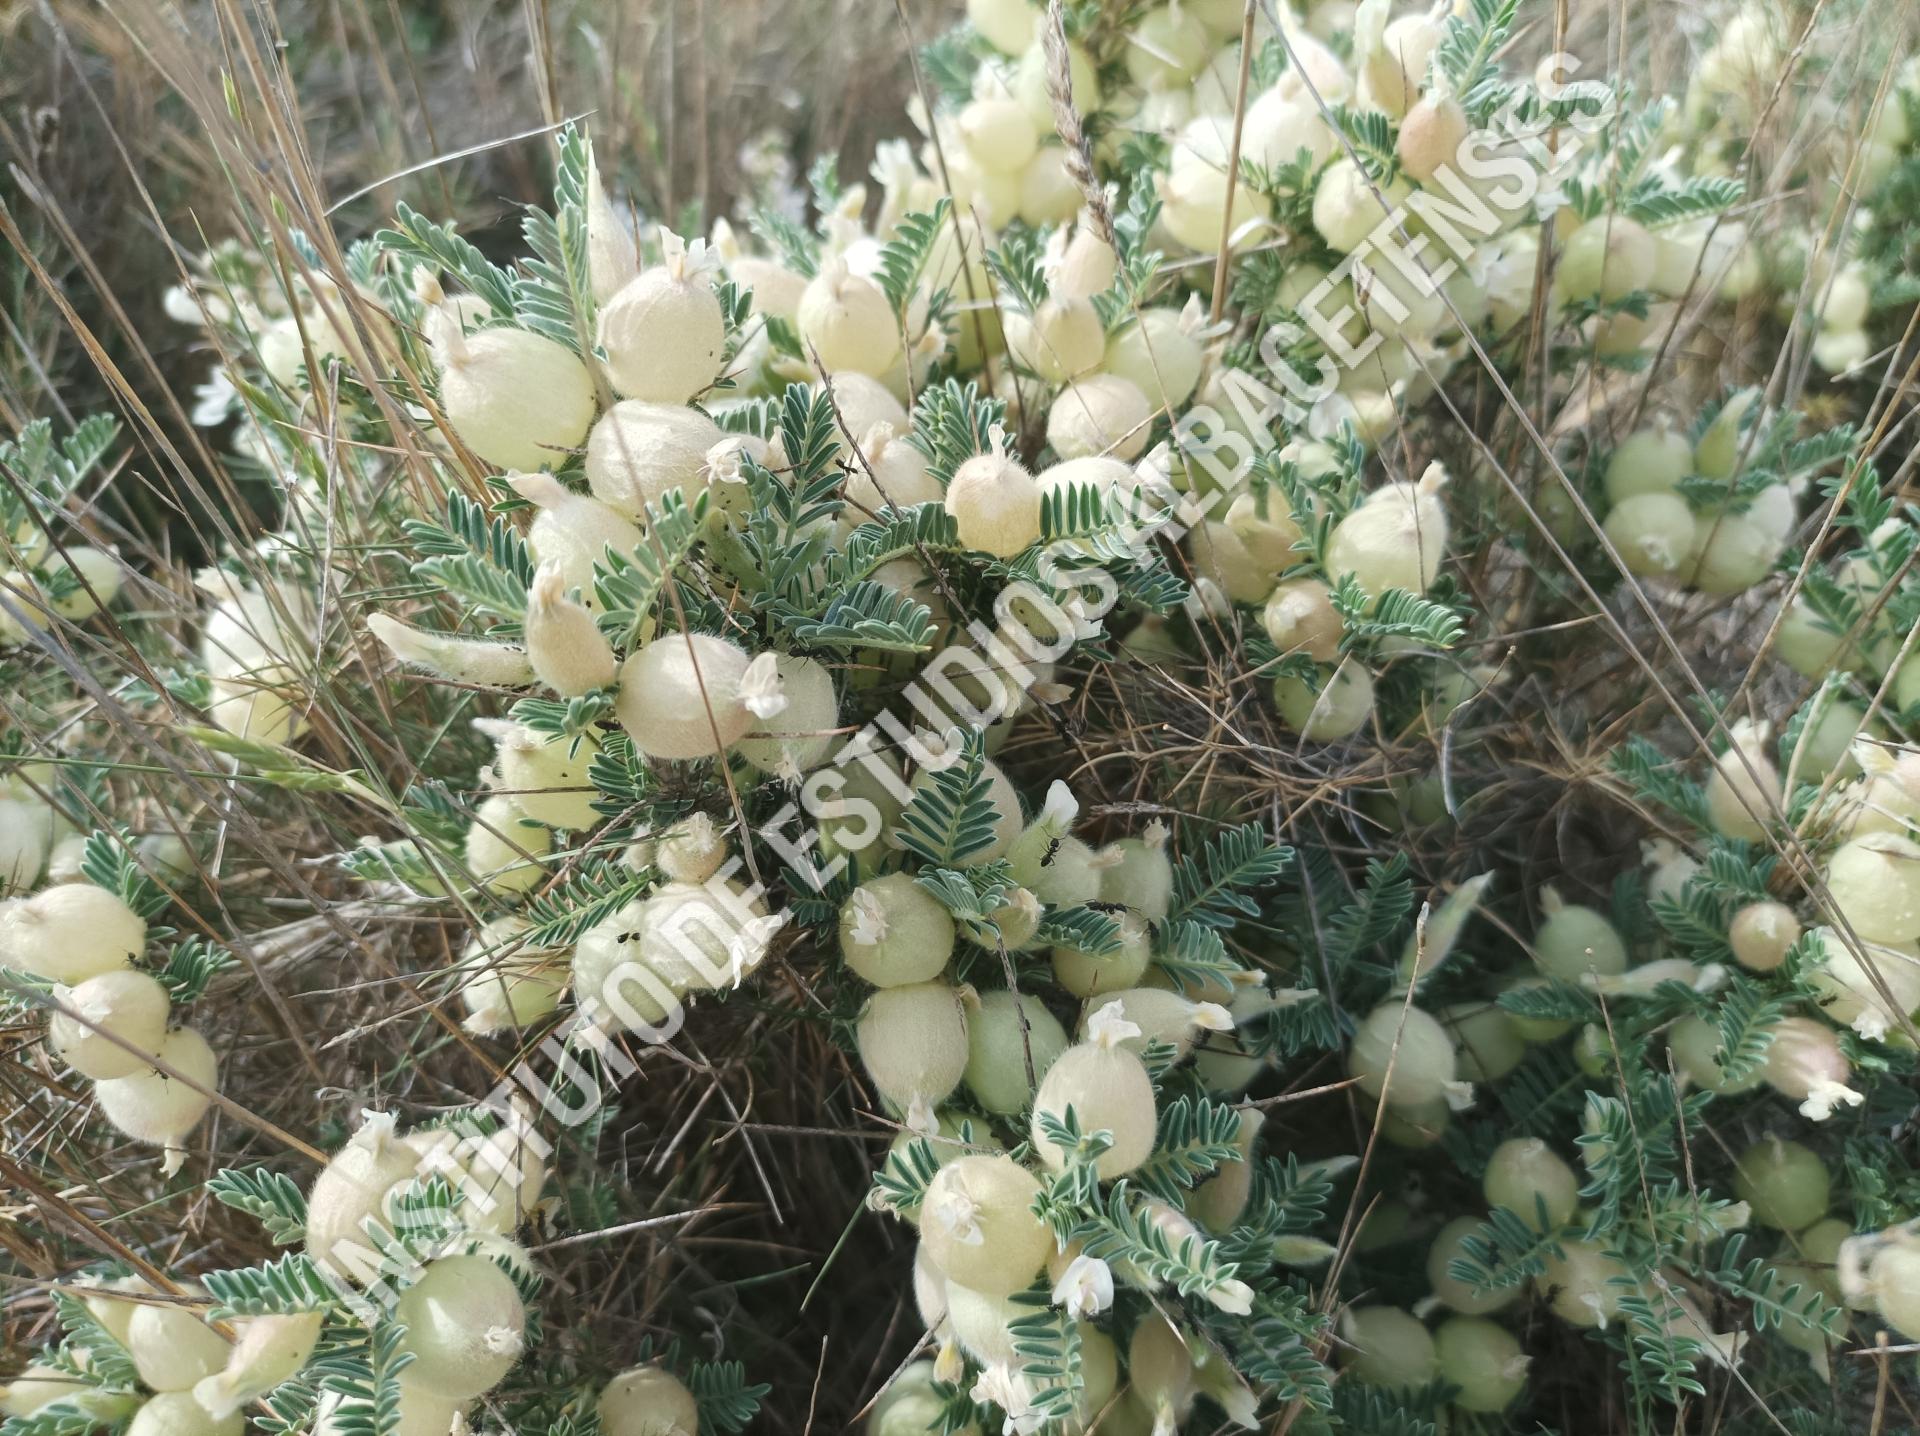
{"x":480,"y":560}
{"x":1211,"y":889}
{"x":110,"y":861}
{"x":271,"y":1197}
{"x":952,"y":815}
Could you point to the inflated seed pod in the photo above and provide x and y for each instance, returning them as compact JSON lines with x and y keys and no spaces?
{"x":1139,"y":873}
{"x":846,"y":320}
{"x":1489,"y":1045}
{"x":351,"y":1191}
{"x":1086,"y":973}
{"x":977,"y":1226}
{"x":1761,"y":934}
{"x":662,"y":332}
{"x":998,"y":133}
{"x":638,"y":453}
{"x":1575,"y":940}
{"x":691,"y":850}
{"x":178,"y":1413}
{"x":792,"y":732}
{"x":154,"y":1108}
{"x":913,"y":1042}
{"x":1108,"y":1089}
{"x":889,"y":472}
{"x":123,"y":1003}
{"x":1453,"y":1293}
{"x":1300,"y":618}
{"x":1653,"y":532}
{"x":1099,"y":414}
{"x":1431,"y":135}
{"x":995,"y":503}
{"x":1017,"y":919}
{"x":1894,"y":1281}
{"x":1416,"y":1046}
{"x":1386,"y":1347}
{"x":1697,"y":1050}
{"x":1805,"y":1064}
{"x":1786,"y":1184}
{"x":547,"y":776}
{"x":1717,"y":453}
{"x":1223,"y":557}
{"x":1003,"y":1033}
{"x":23,"y":846}
{"x":466,"y":1327}
{"x":1743,"y":792}
{"x":1218,"y":1201}
{"x":1850,"y":983}
{"x":1158,"y":354}
{"x":504,"y":985}
{"x":1395,"y":539}
{"x":503,"y":846}
{"x":40,"y":1385}
{"x":1483,"y":1360}
{"x":269,"y":1350}
{"x":1059,"y":341}
{"x":1526,"y":1176}
{"x":1586,"y":1284}
{"x":518,"y":399}
{"x":70,"y":933}
{"x":894,"y":932}
{"x":1874,"y":883}
{"x":1345,"y":208}
{"x":565,"y":646}
{"x":1648,"y":461}
{"x":979,"y":1322}
{"x":1732,"y":552}
{"x":680,"y":696}
{"x":648,"y":1401}
{"x":173,"y":1347}
{"x":1007,"y":25}
{"x":1607,"y":258}
{"x":1338,"y":707}
{"x":1160,"y":1369}
{"x":1034,"y":89}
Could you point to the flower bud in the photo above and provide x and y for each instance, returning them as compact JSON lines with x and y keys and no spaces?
{"x":463,"y":660}
{"x":565,"y":646}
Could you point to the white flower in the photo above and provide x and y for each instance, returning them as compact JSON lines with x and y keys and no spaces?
{"x":1211,"y":1017}
{"x":1060,"y":808}
{"x":687,"y":261}
{"x":1000,"y":1385}
{"x":869,"y":919}
{"x":959,"y":1215}
{"x":749,"y":946}
{"x":1233,"y":1297}
{"x":214,"y":400}
{"x":1824,"y":1096}
{"x":1871,"y":1024}
{"x":1085,"y":1288}
{"x":921,"y":1117}
{"x":1459,"y":1095}
{"x":1109,"y":1026}
{"x":761,"y":690}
